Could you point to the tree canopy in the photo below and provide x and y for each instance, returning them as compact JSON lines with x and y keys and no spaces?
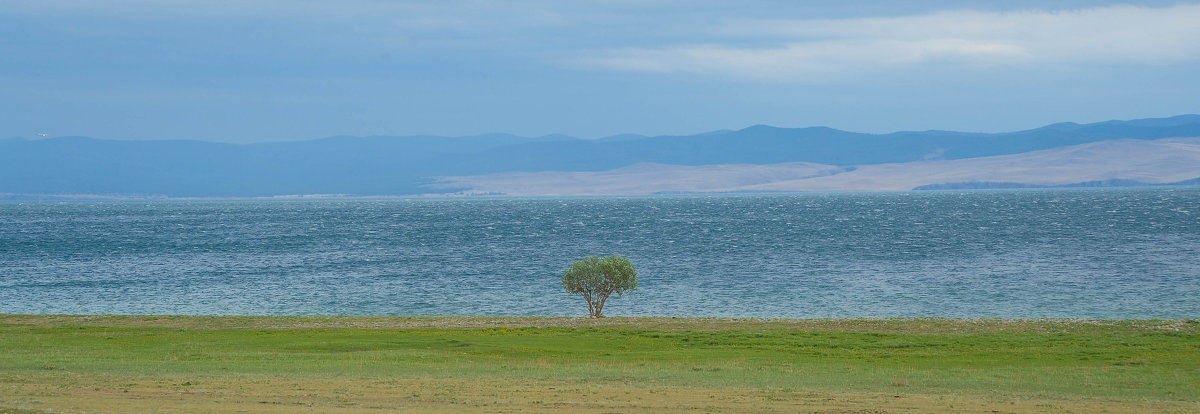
{"x":596,"y":278}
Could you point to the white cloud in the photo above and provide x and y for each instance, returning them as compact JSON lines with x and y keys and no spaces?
{"x":800,"y":49}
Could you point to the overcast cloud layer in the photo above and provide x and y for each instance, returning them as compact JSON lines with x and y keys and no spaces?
{"x":284,"y":70}
{"x":814,"y":50}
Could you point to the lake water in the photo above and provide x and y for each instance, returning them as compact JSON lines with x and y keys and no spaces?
{"x":1113,"y":253}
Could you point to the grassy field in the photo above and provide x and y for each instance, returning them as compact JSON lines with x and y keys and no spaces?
{"x":483,"y":364}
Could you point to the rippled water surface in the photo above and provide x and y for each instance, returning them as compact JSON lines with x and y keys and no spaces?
{"x":1131,"y":253}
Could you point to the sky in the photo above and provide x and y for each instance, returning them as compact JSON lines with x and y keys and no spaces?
{"x":282,"y":70}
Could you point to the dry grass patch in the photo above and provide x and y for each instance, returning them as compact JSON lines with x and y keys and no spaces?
{"x":266,"y":394}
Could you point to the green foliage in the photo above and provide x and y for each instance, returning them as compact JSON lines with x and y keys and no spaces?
{"x":596,"y":278}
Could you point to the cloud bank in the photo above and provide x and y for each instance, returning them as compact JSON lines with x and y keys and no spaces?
{"x":800,"y":49}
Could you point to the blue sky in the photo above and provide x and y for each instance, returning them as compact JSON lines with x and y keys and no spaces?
{"x":271,"y":70}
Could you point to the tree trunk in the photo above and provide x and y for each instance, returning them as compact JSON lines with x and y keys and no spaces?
{"x":591,"y":305}
{"x":600,"y":307}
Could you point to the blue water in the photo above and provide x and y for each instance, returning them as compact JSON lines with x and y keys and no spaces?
{"x":1124,"y":253}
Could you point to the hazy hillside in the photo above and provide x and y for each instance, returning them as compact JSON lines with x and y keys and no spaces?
{"x":410,"y":165}
{"x":640,"y":179}
{"x":769,"y":145}
{"x":1124,"y":162}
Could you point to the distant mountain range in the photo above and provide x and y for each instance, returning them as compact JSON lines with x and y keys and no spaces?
{"x":758,"y":158}
{"x":1121,"y":162}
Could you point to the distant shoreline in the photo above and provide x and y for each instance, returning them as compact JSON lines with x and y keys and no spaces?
{"x":948,"y":187}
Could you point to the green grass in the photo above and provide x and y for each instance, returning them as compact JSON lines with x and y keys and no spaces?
{"x":989,"y":360}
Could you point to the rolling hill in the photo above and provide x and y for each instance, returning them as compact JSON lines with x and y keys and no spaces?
{"x":1121,"y":162}
{"x":758,"y":158}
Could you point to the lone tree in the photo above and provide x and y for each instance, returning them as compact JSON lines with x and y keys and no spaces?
{"x":595,"y":278}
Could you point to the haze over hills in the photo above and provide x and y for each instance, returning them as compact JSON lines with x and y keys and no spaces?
{"x":1123,"y":162}
{"x":758,"y":158}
